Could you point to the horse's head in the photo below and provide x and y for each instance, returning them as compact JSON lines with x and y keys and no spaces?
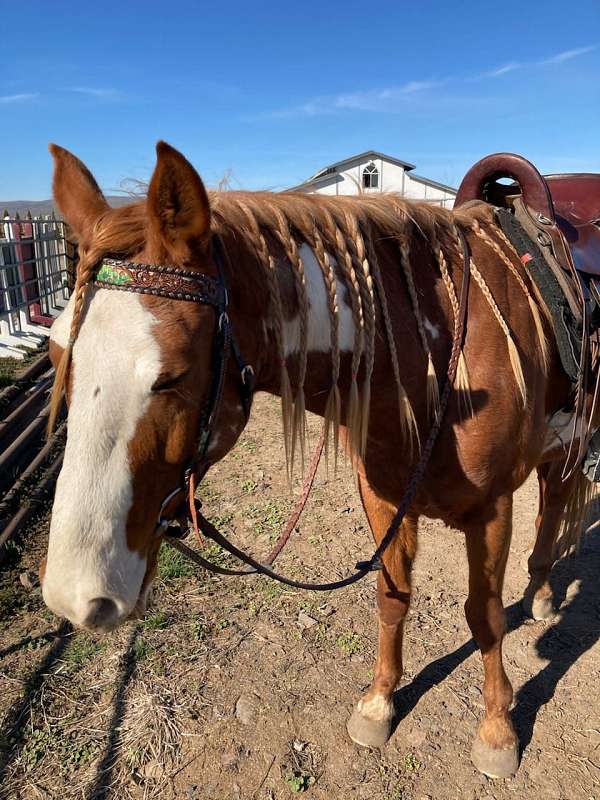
{"x":136,"y":370}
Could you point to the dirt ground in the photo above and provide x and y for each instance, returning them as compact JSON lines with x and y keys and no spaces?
{"x":235,"y":688}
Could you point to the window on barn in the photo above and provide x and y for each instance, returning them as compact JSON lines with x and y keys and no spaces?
{"x":370,"y":176}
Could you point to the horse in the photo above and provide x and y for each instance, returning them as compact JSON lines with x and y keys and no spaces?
{"x":347,"y":307}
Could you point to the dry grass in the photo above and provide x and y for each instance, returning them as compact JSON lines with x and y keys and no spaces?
{"x":150,"y":740}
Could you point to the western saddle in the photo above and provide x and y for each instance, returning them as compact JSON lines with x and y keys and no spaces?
{"x":554,"y":219}
{"x":562,"y":204}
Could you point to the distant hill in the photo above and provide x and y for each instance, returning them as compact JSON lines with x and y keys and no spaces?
{"x":40,"y":207}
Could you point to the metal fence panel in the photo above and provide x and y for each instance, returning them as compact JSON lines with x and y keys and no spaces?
{"x":36,"y":267}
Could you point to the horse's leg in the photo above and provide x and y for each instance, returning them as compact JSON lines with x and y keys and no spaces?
{"x":554,"y":493}
{"x":371,"y":723}
{"x":495,"y":749}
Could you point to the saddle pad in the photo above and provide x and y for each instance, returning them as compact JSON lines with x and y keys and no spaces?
{"x":567,"y":330}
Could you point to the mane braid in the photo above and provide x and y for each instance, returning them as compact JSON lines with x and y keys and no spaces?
{"x":85,"y":273}
{"x":345,"y":262}
{"x":433,"y":391}
{"x":535,"y":312}
{"x":266,"y":258}
{"x":356,"y":247}
{"x":287,"y":241}
{"x":333,"y":405}
{"x":462,"y":375}
{"x":513,"y":353}
{"x":408,"y":423}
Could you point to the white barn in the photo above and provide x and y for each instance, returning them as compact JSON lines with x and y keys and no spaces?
{"x":377,"y":172}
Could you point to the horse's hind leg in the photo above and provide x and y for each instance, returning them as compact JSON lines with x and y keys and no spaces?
{"x":495,"y":749}
{"x":554,"y":493}
{"x":371,"y":722}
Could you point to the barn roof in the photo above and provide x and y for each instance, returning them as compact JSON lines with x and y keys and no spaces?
{"x":330,"y":168}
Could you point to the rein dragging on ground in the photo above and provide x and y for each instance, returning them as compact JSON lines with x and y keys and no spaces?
{"x":203,"y":526}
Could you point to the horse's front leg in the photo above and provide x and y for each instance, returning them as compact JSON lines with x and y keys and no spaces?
{"x":495,"y":749}
{"x":371,"y":722}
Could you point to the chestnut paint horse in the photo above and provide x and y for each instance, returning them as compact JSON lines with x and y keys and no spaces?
{"x":345,"y":306}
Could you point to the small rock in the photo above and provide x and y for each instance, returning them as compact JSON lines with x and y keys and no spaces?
{"x":245,"y":710}
{"x":298,"y":745}
{"x":305,"y":621}
{"x":29,"y":580}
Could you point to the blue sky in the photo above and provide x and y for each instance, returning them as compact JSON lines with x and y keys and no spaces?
{"x":269,"y":92}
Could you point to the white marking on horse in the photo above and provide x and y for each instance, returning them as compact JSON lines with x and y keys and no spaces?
{"x":432,"y":329}
{"x":379,"y":708}
{"x":88,"y":558}
{"x":318,"y":333}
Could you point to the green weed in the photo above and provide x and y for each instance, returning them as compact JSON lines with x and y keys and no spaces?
{"x":350,"y":643}
{"x":299,"y":781}
{"x":268,"y":518}
{"x":13,"y":599}
{"x":39,"y":742}
{"x":248,"y":444}
{"x":157,"y":620}
{"x":172,"y":564}
{"x":200,"y":630}
{"x":141,"y":649}
{"x":411,"y":763}
{"x":81,"y":650}
{"x":76,"y":752}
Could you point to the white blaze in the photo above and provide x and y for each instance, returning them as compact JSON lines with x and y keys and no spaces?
{"x":116,"y":359}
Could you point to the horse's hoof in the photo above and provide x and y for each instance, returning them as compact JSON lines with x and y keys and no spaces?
{"x":368,"y":732}
{"x":494,"y":762}
{"x":538,"y":608}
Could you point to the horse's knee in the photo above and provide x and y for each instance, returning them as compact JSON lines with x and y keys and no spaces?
{"x":486,"y":619}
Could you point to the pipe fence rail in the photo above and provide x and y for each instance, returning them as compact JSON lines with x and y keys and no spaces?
{"x":37,"y":268}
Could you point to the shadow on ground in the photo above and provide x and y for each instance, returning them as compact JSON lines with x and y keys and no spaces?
{"x":100,"y":788}
{"x":14,"y":727}
{"x":563,"y":642}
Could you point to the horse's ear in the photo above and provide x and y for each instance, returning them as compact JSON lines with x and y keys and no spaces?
{"x":178,"y":204}
{"x":75,"y":190}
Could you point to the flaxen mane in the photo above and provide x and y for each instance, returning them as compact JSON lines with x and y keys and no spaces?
{"x":343,"y":233}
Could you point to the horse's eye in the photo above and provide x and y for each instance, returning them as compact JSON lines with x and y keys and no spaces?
{"x":165,"y":382}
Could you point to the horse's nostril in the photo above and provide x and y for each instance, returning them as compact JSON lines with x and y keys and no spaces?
{"x":102,"y":612}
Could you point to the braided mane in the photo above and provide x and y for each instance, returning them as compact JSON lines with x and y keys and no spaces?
{"x":343,"y":233}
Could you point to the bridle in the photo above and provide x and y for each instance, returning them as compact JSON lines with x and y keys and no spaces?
{"x":179,"y":284}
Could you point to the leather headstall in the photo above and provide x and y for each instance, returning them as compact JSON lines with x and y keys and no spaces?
{"x":195,"y":287}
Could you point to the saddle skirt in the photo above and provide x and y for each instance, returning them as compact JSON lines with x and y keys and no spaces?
{"x":576,"y":200}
